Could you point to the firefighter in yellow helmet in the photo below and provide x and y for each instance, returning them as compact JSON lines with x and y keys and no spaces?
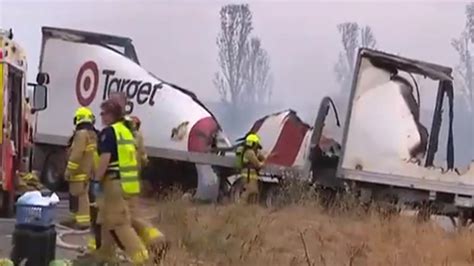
{"x":118,"y":173}
{"x":141,"y":152}
{"x":150,"y":235}
{"x":80,"y":167}
{"x":251,"y":160}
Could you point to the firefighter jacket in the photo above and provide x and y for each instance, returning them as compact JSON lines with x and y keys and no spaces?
{"x":142,"y":157}
{"x":252,"y":161}
{"x":83,"y":150}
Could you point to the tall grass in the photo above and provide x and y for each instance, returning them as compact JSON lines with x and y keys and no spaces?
{"x":304,"y":233}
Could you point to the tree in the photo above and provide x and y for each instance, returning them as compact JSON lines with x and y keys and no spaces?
{"x":464,"y":75}
{"x":352,"y":37}
{"x":258,"y":86}
{"x":245,"y":75}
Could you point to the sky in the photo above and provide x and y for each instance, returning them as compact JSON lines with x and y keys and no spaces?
{"x":176,"y":39}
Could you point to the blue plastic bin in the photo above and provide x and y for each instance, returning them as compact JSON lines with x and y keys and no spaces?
{"x":41,"y":216}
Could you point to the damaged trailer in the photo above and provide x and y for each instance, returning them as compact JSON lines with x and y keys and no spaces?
{"x":400,"y":113}
{"x":294,"y":150}
{"x":84,"y":68}
{"x":388,"y":151}
{"x":187,"y":146}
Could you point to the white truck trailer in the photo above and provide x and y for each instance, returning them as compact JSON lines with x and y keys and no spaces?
{"x":84,"y":68}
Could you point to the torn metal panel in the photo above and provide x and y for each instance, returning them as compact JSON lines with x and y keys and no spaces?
{"x":286,"y":138}
{"x":384,"y":140}
{"x":384,"y":60}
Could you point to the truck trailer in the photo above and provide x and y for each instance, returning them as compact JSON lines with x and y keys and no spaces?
{"x":84,"y":68}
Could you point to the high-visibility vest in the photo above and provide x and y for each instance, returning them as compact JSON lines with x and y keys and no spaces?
{"x":126,"y":165}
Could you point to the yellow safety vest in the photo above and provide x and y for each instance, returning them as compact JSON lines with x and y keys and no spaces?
{"x":127,"y":164}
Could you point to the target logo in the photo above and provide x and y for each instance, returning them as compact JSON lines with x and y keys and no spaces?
{"x":87,"y":83}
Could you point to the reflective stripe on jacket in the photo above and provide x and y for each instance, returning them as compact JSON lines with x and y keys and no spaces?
{"x":250,"y":164}
{"x":80,"y":163}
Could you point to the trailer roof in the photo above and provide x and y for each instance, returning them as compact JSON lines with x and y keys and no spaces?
{"x":85,"y":35}
{"x":394,"y":62}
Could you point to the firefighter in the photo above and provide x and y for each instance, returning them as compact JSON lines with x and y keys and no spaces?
{"x":95,"y":242}
{"x":150,"y":235}
{"x":118,"y":174}
{"x":80,"y":167}
{"x":141,"y":152}
{"x":252,"y":160}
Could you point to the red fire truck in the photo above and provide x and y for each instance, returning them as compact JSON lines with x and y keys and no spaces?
{"x":16,"y":111}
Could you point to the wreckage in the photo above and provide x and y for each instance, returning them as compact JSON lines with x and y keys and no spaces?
{"x":175,"y":123}
{"x":387,"y":151}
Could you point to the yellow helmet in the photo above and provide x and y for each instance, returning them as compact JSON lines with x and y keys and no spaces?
{"x":83,"y":115}
{"x":252,"y":140}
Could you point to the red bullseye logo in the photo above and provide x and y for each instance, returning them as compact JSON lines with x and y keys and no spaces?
{"x":87,"y":83}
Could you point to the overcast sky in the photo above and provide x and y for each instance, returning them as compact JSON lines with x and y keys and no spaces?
{"x":176,"y":39}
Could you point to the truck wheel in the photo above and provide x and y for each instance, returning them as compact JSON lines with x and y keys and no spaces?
{"x":53,"y":171}
{"x":274,"y":198}
{"x":224,"y":195}
{"x":236,"y":190}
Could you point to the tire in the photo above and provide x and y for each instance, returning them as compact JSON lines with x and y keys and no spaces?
{"x":52,"y":175}
{"x":224,"y":195}
{"x":273,"y":197}
{"x":236,"y":190}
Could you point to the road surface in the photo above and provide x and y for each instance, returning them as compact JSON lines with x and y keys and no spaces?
{"x":7,"y":226}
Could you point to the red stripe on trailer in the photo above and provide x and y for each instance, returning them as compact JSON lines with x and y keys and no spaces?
{"x":289,"y":141}
{"x":201,"y":134}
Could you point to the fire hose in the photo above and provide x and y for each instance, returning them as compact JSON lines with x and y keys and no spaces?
{"x":63,"y":231}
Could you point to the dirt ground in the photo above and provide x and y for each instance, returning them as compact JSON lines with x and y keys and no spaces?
{"x":304,"y":234}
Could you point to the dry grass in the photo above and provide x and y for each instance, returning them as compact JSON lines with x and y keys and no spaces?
{"x":304,"y":234}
